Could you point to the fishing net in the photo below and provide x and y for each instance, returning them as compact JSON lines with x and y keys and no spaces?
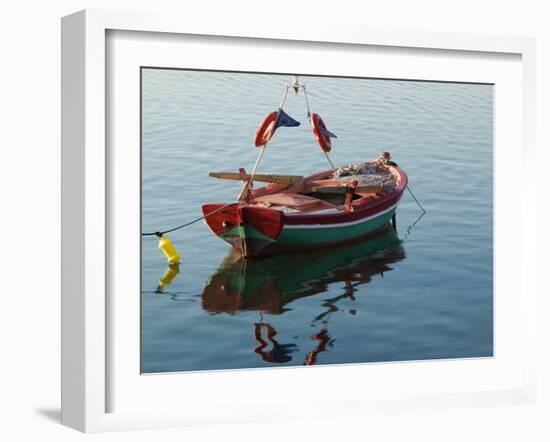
{"x":371,"y":173}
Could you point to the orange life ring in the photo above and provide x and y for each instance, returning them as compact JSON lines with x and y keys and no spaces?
{"x":265,"y":129}
{"x":319,"y":127}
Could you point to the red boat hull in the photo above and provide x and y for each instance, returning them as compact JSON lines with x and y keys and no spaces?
{"x":256,"y":231}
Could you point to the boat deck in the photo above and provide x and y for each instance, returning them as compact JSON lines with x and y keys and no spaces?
{"x":327,"y":191}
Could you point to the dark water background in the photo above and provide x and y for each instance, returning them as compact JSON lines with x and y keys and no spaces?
{"x":423,"y":293}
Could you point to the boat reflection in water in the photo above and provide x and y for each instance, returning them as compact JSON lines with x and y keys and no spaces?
{"x":268,"y":285}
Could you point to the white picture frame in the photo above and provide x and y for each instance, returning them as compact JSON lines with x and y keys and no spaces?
{"x":86,"y":356}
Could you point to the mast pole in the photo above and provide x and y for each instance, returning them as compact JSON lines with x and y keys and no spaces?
{"x":329,"y":161}
{"x":248,"y":183}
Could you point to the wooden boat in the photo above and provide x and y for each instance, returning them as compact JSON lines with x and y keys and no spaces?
{"x":281,"y":218}
{"x":290,"y":213}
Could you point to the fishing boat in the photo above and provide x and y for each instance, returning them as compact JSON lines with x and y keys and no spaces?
{"x":293,"y":212}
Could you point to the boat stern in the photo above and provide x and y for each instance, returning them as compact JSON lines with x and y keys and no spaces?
{"x":250,"y":230}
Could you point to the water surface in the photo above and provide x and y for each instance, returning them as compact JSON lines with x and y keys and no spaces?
{"x":423,"y":292}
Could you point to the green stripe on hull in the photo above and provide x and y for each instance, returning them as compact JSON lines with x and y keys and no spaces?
{"x":316,"y":235}
{"x":246,"y":232}
{"x":332,"y":234}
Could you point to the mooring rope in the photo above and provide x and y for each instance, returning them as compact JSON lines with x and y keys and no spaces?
{"x":410,"y":228}
{"x":414,"y":198}
{"x":159,"y":234}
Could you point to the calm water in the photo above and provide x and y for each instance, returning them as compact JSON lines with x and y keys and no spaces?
{"x":424,"y":292}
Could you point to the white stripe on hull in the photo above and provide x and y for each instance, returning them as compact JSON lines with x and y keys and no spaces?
{"x":349,"y":223}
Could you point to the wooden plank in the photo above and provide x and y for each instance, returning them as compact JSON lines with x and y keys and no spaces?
{"x":293,"y":200}
{"x":266,"y":178}
{"x":343,"y":189}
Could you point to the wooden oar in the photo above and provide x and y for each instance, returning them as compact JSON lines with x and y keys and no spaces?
{"x":266,"y":178}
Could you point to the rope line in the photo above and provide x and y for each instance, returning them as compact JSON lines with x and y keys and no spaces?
{"x":307,"y":101}
{"x":250,"y":181}
{"x":414,"y":198}
{"x":329,"y":161}
{"x":308,"y":117}
{"x":186,"y":224}
{"x":410,"y":228}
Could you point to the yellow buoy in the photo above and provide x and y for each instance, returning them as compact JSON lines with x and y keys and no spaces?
{"x":172,"y":255}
